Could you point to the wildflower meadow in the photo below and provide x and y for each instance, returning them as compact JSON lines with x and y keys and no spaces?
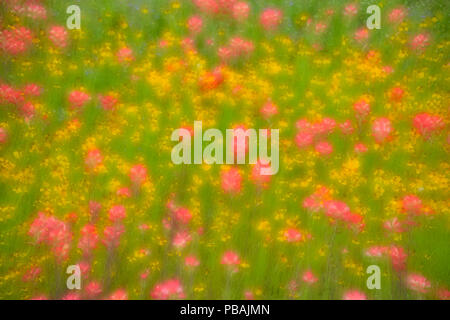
{"x":350,"y":201}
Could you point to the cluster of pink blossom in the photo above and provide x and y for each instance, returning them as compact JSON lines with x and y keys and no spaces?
{"x":426,"y":124}
{"x":16,"y":40}
{"x":21,"y":98}
{"x":79,"y":98}
{"x":337,"y":211}
{"x":31,"y":9}
{"x":169,"y":289}
{"x":89,"y":239}
{"x":231,"y":181}
{"x":315,"y":133}
{"x":411,"y":206}
{"x":396,"y":254}
{"x":382,"y":129}
{"x":125,"y":55}
{"x":268,"y":110}
{"x":178,"y":222}
{"x":93,"y":159}
{"x":238,"y":10}
{"x":58,"y":35}
{"x":52,"y":232}
{"x":236,"y":48}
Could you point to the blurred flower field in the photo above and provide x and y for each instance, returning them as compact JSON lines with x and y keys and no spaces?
{"x":86,"y":176}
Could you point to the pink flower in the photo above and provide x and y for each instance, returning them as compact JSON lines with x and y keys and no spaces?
{"x":93,"y":289}
{"x":89,"y":238}
{"x":10,"y":95}
{"x":350,"y":10}
{"x":112,"y":235}
{"x":124,"y":192}
{"x":397,"y":15}
{"x":211,"y":80}
{"x":388,"y":69}
{"x":182,"y":215}
{"x":58,"y":36}
{"x":169,"y":289}
{"x":393,"y":225}
{"x":28,"y":110}
{"x":195,"y":24}
{"x":230,"y":258}
{"x":240,"y":47}
{"x":443,"y":294}
{"x":412,"y":204}
{"x":376,"y":251}
{"x":240,"y":11}
{"x":85,"y":267}
{"x":360,"y":148}
{"x":53,"y":232}
{"x":191,"y":261}
{"x":72,"y":296}
{"x":426,"y":124}
{"x":292,"y":235}
{"x":78,"y":99}
{"x":248,"y":295}
{"x":16,"y":41}
{"x":396,"y":94}
{"x":31,"y":274}
{"x":144,"y":275}
{"x":346,"y":127}
{"x":362,"y":108}
{"x":304,"y":139}
{"x":320,"y":27}
{"x":303,"y":125}
{"x":325,"y":127}
{"x":270,"y":18}
{"x":117,"y":213}
{"x":354,"y":295}
{"x":418,"y":283}
{"x":138,"y":174}
{"x":32,"y":90}
{"x":268,"y":110}
{"x":181,"y":239}
{"x":361,"y":34}
{"x":381,"y":129}
{"x":144,"y":227}
{"x":420,"y":42}
{"x":208,"y":6}
{"x":311,"y":204}
{"x":108,"y":102}
{"x":231,"y":181}
{"x":315,"y":202}
{"x":94,"y":209}
{"x":225,"y":54}
{"x":119,"y":294}
{"x":125,"y":55}
{"x":398,"y":258}
{"x":336,"y":209}
{"x":226,"y":5}
{"x":188,"y":44}
{"x":35,"y":11}
{"x":309,"y":277}
{"x":324,"y":148}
